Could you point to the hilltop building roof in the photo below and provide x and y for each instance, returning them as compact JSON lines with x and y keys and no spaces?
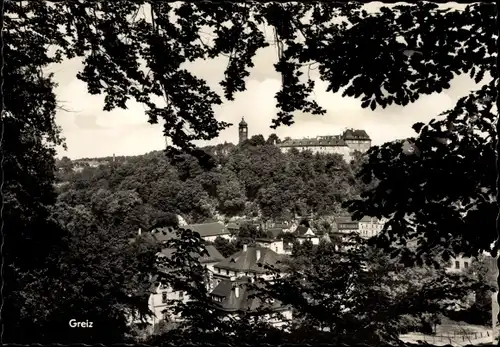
{"x":314,"y":142}
{"x":328,"y":140}
{"x":355,"y":134}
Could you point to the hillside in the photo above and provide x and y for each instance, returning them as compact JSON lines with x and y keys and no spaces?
{"x":252,"y":180}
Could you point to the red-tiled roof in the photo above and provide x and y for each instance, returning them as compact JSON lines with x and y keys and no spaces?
{"x":246,"y":261}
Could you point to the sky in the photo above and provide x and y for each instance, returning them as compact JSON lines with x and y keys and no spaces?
{"x":91,"y":132}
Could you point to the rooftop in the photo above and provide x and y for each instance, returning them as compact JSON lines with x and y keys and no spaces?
{"x":239,"y":296}
{"x":208,"y":229}
{"x":251,"y":259}
{"x":302,"y":230}
{"x":355,"y":134}
{"x":329,"y":140}
{"x":315,"y":142}
{"x":348,"y":219}
{"x":213,"y":255}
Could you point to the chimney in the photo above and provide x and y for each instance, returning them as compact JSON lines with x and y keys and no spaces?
{"x":237,"y":291}
{"x":245,"y":247}
{"x":257,"y":254}
{"x":139,"y":232}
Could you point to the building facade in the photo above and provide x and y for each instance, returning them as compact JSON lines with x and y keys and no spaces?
{"x":272,"y":244}
{"x":163,"y":298}
{"x":366,"y":227}
{"x":459,"y":264}
{"x":351,"y":140}
{"x":303,"y":233}
{"x":233,"y":279}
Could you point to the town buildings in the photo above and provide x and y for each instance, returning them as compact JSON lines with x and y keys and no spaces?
{"x":163,"y":297}
{"x":349,"y":141}
{"x":235,"y":276}
{"x":273,"y":244}
{"x":304,"y":233}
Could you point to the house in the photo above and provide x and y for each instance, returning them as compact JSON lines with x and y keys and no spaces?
{"x":249,"y":261}
{"x":163,"y":235}
{"x":273,"y":244}
{"x":303,"y":233}
{"x":232,"y":276}
{"x":236,"y":296}
{"x":274,"y":233}
{"x":233,"y":228}
{"x":210,"y":231}
{"x":366,"y":227}
{"x":163,"y":297}
{"x":459,"y":264}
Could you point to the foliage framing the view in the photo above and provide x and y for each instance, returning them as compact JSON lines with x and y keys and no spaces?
{"x":111,"y":42}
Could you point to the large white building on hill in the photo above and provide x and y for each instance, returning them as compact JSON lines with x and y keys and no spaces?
{"x":351,"y":140}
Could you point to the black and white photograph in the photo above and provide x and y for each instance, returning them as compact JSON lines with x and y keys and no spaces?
{"x":249,"y":173}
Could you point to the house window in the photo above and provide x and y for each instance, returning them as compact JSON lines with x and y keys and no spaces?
{"x":457,"y":264}
{"x":466,"y":264}
{"x":164,"y":298}
{"x":218,"y":270}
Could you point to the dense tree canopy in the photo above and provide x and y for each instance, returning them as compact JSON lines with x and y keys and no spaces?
{"x":442,"y":195}
{"x":363,"y":295}
{"x":391,"y":56}
{"x":380,"y":43}
{"x":137,"y":192}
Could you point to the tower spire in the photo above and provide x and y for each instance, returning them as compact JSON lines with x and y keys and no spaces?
{"x":243,"y":130}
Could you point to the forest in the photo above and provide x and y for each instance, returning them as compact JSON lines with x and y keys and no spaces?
{"x":253,"y":180}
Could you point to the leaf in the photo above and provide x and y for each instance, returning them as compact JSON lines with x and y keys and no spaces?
{"x":365,"y":103}
{"x":418,"y":127}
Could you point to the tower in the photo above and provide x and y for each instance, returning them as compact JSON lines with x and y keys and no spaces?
{"x":243,"y":131}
